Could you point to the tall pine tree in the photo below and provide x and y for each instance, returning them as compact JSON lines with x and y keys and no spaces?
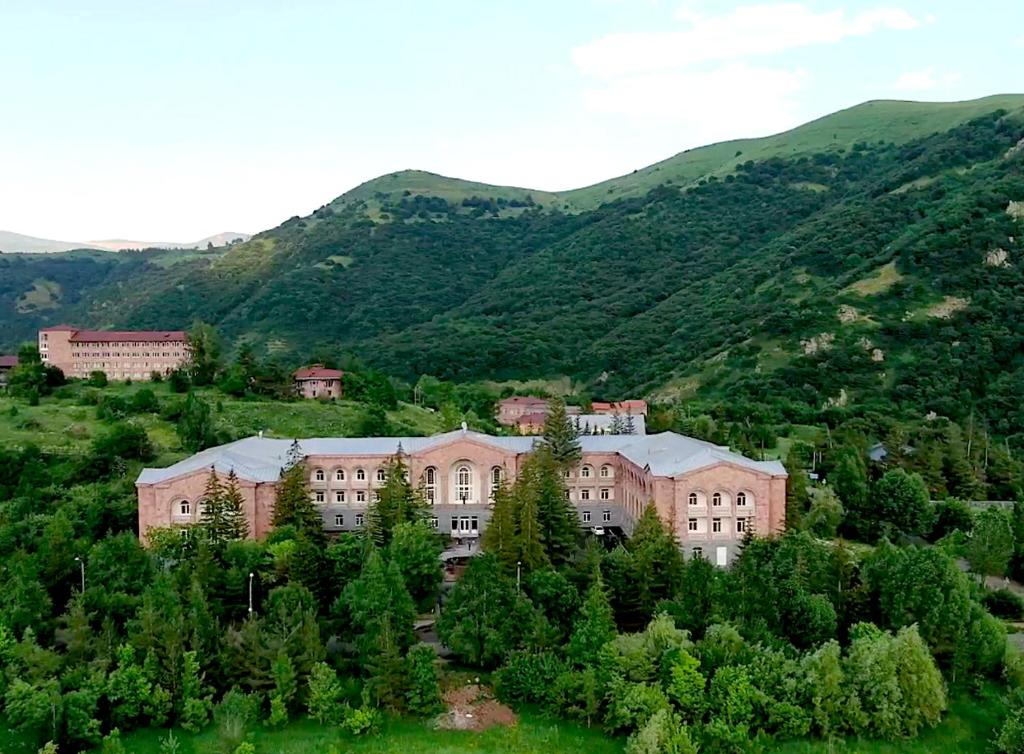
{"x":212,"y":517}
{"x":501,"y":535}
{"x":293,"y":504}
{"x":235,"y":524}
{"x":398,"y":502}
{"x":560,"y":436}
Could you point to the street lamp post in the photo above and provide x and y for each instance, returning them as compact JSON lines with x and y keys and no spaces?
{"x":519,"y":574}
{"x":251,"y":575}
{"x":81,"y":564}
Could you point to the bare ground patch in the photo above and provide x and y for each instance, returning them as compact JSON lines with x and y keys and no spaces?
{"x":473,"y":707}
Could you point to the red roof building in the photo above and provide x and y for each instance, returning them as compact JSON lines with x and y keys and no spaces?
{"x":317,"y":381}
{"x":634,"y":407}
{"x":120,"y":354}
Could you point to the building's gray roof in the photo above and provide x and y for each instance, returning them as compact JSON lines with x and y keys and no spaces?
{"x":260,"y":459}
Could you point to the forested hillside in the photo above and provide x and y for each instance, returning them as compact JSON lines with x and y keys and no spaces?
{"x":884,"y":276}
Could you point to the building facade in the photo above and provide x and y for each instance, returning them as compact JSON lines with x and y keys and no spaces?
{"x":7,"y":363}
{"x":120,"y":354}
{"x":318,"y":382}
{"x":708,"y":496}
{"x":514,"y":408}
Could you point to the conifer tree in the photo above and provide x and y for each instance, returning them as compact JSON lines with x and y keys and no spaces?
{"x":235,"y":524}
{"x":398,"y":502}
{"x":500,"y":536}
{"x":529,"y":537}
{"x":212,"y":518}
{"x":657,"y":561}
{"x":630,"y":425}
{"x":559,"y":526}
{"x":293,"y":504}
{"x":560,"y":437}
{"x":594,"y":627}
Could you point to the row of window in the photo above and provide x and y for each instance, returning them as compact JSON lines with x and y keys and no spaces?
{"x":115,"y":354}
{"x":460,"y":524}
{"x":742,"y":525}
{"x":587,"y":472}
{"x":340,"y":496}
{"x":606,"y":516}
{"x":717,"y":499}
{"x":605,"y":493}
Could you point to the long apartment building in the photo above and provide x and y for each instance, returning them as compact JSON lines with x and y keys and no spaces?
{"x":708,"y":496}
{"x":121,"y":354}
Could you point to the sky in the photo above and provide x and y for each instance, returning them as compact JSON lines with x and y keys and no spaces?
{"x":172,"y":120}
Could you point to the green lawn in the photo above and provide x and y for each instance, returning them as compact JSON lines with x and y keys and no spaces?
{"x":65,"y":425}
{"x":533,"y":735}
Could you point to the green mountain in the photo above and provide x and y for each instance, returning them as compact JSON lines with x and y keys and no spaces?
{"x":868,"y":261}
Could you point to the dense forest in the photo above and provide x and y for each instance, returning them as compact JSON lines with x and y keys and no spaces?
{"x":884,"y":278}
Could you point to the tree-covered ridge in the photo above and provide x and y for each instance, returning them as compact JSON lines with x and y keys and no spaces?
{"x":883,"y":277}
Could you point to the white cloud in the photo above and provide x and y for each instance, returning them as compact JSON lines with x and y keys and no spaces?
{"x":744,"y":31}
{"x":925,"y":80}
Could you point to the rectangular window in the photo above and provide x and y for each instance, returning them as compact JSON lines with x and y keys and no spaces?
{"x":455,"y":523}
{"x":698,"y":552}
{"x":568,"y":495}
{"x":361,"y":496}
{"x":584,"y":494}
{"x":320,"y":496}
{"x":606,"y":494}
{"x":359,"y":519}
{"x":474,"y":523}
{"x":433,"y":521}
{"x":339,"y":496}
{"x":722,"y":556}
{"x":716,"y":525}
{"x":586,"y":517}
{"x":741,"y":525}
{"x":339,"y":520}
{"x":606,"y":516}
{"x":691,"y":525}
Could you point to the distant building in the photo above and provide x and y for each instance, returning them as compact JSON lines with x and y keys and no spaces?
{"x":708,"y":496}
{"x":7,"y":363}
{"x":634,"y":407}
{"x":514,"y":408}
{"x":587,"y":424}
{"x":317,"y":381}
{"x":120,"y":354}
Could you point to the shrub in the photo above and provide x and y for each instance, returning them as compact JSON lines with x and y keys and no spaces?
{"x":97,"y":378}
{"x":1003,"y":603}
{"x":360,"y":721}
{"x":528,"y":677}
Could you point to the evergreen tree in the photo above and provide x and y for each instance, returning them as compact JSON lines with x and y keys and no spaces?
{"x":657,"y":561}
{"x":382,"y":615}
{"x":500,"y":537}
{"x":398,"y":502}
{"x":285,"y":687}
{"x":293,"y":504}
{"x":560,"y":437}
{"x":423,"y":696}
{"x":212,"y":519}
{"x":594,"y":627}
{"x":235,"y":524}
{"x":797,"y":494}
{"x":630,"y":425}
{"x":529,"y":537}
{"x":541,"y":480}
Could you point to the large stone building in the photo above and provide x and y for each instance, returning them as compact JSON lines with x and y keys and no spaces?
{"x":317,"y":381}
{"x":120,"y":354}
{"x":707,"y":495}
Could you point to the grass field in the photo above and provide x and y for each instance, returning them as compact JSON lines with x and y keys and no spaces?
{"x":969,"y":726}
{"x":66,"y":424}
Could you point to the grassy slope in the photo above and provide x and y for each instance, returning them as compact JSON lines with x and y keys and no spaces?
{"x":878,"y":120}
{"x":65,"y":425}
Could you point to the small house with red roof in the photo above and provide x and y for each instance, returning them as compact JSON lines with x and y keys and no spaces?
{"x":317,"y":381}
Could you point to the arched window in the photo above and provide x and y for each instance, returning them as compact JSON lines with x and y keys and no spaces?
{"x":360,"y":475}
{"x":463,"y":483}
{"x":430,"y":484}
{"x":183,"y":509}
{"x":606,"y":471}
{"x":495,"y":480}
{"x":586,"y":472}
{"x":318,"y":475}
{"x":741,"y":498}
{"x":382,"y":476}
{"x":716,"y":499}
{"x":339,"y":475}
{"x":693,"y":498}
